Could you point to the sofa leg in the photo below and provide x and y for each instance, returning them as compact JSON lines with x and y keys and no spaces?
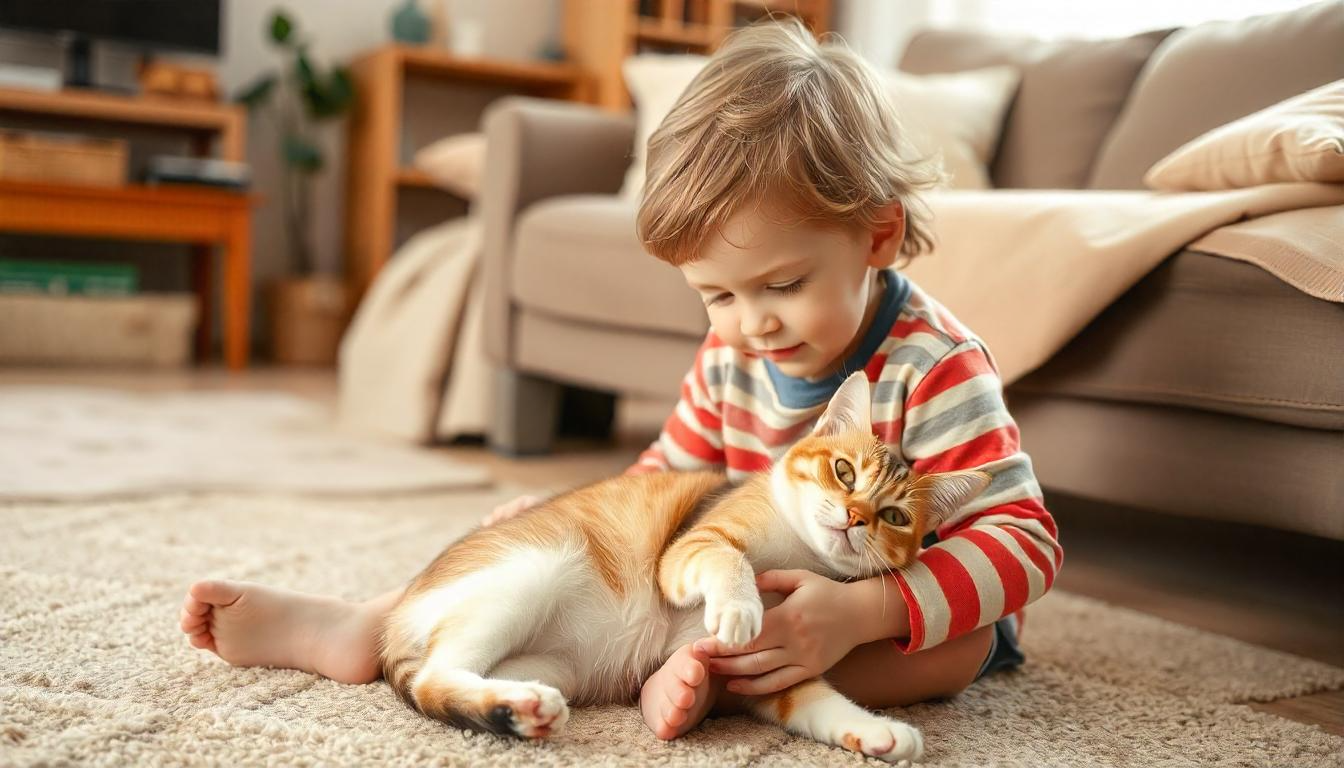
{"x":587,"y":413}
{"x":527,"y":414}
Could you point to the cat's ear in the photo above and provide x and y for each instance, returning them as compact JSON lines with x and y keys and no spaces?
{"x":849,"y":409}
{"x":939,"y":495}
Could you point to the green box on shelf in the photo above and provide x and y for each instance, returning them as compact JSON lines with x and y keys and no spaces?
{"x":59,"y":278}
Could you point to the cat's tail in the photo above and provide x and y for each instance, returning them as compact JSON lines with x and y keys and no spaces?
{"x":400,"y":670}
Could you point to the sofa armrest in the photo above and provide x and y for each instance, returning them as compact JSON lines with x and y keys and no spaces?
{"x":538,"y":149}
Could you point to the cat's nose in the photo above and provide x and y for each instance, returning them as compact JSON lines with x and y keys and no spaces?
{"x":854,"y":517}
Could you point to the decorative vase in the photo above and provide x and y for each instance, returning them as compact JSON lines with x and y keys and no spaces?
{"x":410,"y":24}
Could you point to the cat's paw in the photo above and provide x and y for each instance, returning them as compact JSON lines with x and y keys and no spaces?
{"x":883,"y":738}
{"x":735,"y":621}
{"x":530,"y":710}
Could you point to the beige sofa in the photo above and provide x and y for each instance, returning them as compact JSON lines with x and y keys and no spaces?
{"x":1210,"y":389}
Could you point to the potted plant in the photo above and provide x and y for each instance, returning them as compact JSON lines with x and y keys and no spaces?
{"x":307,"y":310}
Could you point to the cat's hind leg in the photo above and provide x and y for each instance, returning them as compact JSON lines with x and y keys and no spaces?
{"x":814,"y":709}
{"x":466,"y":628}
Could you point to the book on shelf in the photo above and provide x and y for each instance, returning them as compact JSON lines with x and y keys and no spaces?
{"x":63,"y":278}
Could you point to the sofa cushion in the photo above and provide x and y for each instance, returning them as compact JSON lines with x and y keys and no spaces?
{"x":1186,"y":462}
{"x":1299,"y":139}
{"x":577,"y":257}
{"x":1210,"y":333}
{"x":1070,"y":95}
{"x":1205,"y":76}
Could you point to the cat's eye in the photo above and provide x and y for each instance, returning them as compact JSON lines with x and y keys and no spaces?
{"x":844,"y":472}
{"x":893,"y":516}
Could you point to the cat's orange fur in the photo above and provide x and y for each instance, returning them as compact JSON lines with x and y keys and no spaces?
{"x":585,"y":596}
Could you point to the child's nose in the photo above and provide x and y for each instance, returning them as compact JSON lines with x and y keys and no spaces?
{"x":759,"y":324}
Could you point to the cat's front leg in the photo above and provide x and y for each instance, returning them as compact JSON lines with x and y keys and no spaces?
{"x":705,"y":564}
{"x":733,"y":611}
{"x":814,"y":709}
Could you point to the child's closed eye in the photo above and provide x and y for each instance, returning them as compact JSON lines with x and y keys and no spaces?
{"x":790,"y":288}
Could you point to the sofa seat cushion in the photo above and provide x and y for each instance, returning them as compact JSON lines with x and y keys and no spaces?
{"x":1214,"y":334}
{"x":578,"y":258}
{"x":1186,"y":462}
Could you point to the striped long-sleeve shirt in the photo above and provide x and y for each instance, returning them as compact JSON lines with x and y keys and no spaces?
{"x":937,"y":402}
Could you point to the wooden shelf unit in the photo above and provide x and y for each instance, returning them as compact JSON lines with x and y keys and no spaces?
{"x":374,"y":170}
{"x":601,"y":34}
{"x":202,"y":217}
{"x":204,"y":120}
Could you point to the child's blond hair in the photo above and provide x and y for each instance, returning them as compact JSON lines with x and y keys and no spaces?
{"x":774,"y":115}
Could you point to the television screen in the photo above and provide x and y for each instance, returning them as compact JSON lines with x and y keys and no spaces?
{"x":183,"y":25}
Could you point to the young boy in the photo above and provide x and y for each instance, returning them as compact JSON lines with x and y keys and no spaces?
{"x":778,"y":185}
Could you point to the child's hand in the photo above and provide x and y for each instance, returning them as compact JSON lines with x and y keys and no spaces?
{"x":800,"y":638}
{"x":512,"y":509}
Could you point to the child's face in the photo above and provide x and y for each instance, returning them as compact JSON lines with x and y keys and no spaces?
{"x":797,"y":294}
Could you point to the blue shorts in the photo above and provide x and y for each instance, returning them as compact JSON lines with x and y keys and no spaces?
{"x":1004,"y":652}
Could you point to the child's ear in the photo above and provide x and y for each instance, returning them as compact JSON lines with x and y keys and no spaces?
{"x":887,"y":236}
{"x":939,"y":495}
{"x":848,"y":410}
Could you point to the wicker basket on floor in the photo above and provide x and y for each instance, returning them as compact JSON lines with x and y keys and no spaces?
{"x":151,"y":329}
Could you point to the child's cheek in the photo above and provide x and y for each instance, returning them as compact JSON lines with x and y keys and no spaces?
{"x":725,"y":327}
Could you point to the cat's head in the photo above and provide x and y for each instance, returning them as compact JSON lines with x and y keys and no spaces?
{"x":851,"y":501}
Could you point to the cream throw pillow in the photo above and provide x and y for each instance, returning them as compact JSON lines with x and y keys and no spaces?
{"x":1300,"y":139}
{"x":655,"y":82}
{"x":455,"y":163}
{"x":958,"y":116}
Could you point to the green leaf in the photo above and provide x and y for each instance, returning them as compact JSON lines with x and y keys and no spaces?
{"x":302,"y":154}
{"x":257,"y":93}
{"x":281,"y":27}
{"x":341,"y":89}
{"x":323,"y":97}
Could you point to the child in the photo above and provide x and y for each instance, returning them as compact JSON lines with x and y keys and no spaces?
{"x":778,"y":185}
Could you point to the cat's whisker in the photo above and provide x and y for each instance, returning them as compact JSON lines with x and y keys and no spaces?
{"x":881,"y":570}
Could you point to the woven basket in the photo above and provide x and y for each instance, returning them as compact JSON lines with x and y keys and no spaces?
{"x":153,"y":329}
{"x":62,"y":160}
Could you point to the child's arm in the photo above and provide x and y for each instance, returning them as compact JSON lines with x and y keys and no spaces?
{"x":692,"y":436}
{"x":1000,"y":551}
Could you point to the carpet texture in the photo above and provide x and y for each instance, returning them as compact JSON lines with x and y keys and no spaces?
{"x":93,"y":670}
{"x":81,"y":443}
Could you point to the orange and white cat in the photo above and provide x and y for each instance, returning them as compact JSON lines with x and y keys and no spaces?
{"x":581,"y":599}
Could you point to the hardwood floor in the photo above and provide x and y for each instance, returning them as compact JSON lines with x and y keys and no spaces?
{"x":1265,"y":587}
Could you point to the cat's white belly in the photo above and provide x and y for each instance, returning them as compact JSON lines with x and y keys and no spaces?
{"x":614,"y":642}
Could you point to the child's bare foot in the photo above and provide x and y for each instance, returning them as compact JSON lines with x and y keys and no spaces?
{"x":251,"y":625}
{"x":679,"y":695}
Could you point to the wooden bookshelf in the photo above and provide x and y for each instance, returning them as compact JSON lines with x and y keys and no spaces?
{"x":202,"y":217}
{"x":206,"y":120}
{"x":375,"y":174}
{"x":601,"y":34}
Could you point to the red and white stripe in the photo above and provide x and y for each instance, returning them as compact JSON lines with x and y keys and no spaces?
{"x":998,"y":554}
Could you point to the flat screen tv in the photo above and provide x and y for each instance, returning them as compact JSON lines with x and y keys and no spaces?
{"x":174,"y":25}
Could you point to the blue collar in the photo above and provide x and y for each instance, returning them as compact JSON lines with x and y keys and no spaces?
{"x":795,"y":392}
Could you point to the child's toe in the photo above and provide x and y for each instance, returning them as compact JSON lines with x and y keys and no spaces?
{"x":674,"y":716}
{"x":691,"y":673}
{"x":216,"y":593}
{"x":681,"y":697}
{"x":191,"y":623}
{"x":193,"y":606}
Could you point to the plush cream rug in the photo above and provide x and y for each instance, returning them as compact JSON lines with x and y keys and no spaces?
{"x":77,"y":442}
{"x":93,"y":670}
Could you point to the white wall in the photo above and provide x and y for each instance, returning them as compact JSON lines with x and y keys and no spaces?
{"x":340,"y":31}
